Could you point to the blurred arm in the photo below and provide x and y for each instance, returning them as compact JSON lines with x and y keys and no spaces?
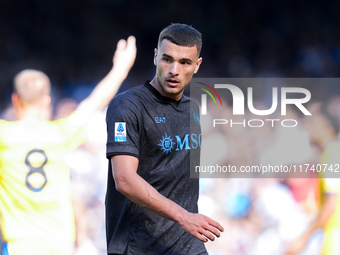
{"x":101,"y":95}
{"x":325,"y":213}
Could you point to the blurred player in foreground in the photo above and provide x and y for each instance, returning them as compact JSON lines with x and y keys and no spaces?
{"x":151,"y":201}
{"x":35,"y":200}
{"x":323,"y":128}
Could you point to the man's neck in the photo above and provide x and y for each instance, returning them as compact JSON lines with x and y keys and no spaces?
{"x":33,"y":114}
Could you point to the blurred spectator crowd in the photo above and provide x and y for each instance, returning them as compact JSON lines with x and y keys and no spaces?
{"x":260,"y":212}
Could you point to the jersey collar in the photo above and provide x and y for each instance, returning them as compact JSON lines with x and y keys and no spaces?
{"x":159,"y":96}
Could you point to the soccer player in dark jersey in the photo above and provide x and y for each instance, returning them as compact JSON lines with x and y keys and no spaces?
{"x":153,"y":134}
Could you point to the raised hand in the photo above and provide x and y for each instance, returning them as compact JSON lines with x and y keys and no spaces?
{"x":125,"y":54}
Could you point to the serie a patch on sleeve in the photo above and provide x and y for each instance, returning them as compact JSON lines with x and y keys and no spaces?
{"x":120,"y":132}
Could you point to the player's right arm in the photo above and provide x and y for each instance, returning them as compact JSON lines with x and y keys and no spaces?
{"x":135,"y":188}
{"x":106,"y":89}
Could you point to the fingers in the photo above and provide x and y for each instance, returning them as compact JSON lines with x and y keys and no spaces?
{"x":214,"y":231}
{"x":131,"y":41}
{"x":131,"y":46}
{"x":121,"y":44}
{"x":211,"y":230}
{"x":208,"y":235}
{"x":128,"y":45}
{"x":201,"y":237}
{"x":125,"y":54}
{"x":216,"y":225}
{"x":202,"y":227}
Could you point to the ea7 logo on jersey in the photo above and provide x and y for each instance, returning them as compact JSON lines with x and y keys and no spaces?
{"x":160,"y":120}
{"x":120,"y":132}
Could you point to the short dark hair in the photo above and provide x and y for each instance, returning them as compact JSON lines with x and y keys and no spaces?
{"x":182,"y":35}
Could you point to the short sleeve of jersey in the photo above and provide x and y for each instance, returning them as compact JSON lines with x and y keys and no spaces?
{"x":75,"y":132}
{"x":122,"y":127}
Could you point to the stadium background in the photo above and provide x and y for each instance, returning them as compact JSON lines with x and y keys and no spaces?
{"x":73,"y":43}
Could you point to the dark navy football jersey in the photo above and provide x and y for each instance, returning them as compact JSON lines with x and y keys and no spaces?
{"x":165,"y":136}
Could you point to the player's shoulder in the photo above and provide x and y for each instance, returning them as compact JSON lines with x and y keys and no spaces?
{"x":128,"y":101}
{"x":4,"y":125}
{"x":188,"y":99}
{"x":9,"y":124}
{"x":3,"y":122}
{"x":193,"y":104}
{"x":133,"y":94}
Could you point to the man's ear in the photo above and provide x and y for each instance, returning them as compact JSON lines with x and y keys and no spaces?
{"x":15,"y":99}
{"x":155,"y":56}
{"x":198,"y":63}
{"x":47,"y":100}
